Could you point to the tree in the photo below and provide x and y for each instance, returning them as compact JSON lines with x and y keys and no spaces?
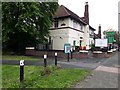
{"x":26,"y":23}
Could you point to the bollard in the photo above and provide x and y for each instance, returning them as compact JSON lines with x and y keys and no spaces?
{"x":21,"y":70}
{"x":68,"y":56}
{"x":71,"y":55}
{"x":45,"y":61}
{"x":71,"y":52}
{"x":55,"y":58}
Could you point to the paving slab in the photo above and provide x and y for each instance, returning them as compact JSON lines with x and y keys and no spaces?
{"x":99,"y":79}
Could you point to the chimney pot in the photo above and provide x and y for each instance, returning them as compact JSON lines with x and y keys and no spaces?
{"x":86,"y":3}
{"x":86,"y":13}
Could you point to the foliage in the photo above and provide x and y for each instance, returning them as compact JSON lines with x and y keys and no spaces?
{"x":116,"y":34}
{"x":77,"y":48}
{"x":34,"y":77}
{"x":26,"y":23}
{"x":92,"y":47}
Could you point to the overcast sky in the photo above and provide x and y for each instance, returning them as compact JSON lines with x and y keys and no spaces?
{"x":104,"y":12}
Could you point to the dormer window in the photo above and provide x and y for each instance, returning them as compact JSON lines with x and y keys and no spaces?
{"x":56,"y":23}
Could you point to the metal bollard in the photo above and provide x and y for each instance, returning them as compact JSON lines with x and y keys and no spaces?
{"x":68,"y":56}
{"x":21,"y":70}
{"x":55,"y":58}
{"x":45,"y":61}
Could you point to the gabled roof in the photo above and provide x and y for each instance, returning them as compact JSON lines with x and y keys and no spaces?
{"x":61,"y":12}
{"x":65,"y":12}
{"x":92,"y":28}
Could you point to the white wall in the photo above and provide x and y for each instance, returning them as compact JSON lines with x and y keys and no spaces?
{"x":63,"y":36}
{"x":61,"y":21}
{"x":68,"y":35}
{"x":91,"y":40}
{"x":65,"y":21}
{"x":76,"y":25}
{"x":59,"y":38}
{"x":75,"y":36}
{"x":86,"y":37}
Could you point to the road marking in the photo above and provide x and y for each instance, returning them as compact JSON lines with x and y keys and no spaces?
{"x":107,"y":69}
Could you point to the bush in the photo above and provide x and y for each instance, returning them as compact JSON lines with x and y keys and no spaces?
{"x":76,"y":48}
{"x":92,"y":47}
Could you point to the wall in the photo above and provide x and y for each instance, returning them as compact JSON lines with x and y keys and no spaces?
{"x":86,"y":37}
{"x":91,"y":36}
{"x":75,"y":36}
{"x":51,"y":54}
{"x":59,"y":37}
{"x":72,"y":31}
{"x":62,"y":21}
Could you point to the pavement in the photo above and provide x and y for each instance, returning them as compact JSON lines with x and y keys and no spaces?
{"x":104,"y":70}
{"x":104,"y":76}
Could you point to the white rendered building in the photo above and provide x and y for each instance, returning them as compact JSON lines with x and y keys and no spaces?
{"x":69,"y":28}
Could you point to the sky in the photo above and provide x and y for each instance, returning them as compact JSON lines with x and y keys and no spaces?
{"x":103,"y":12}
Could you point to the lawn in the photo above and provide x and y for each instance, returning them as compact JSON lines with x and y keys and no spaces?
{"x":16,"y":57}
{"x":39,"y":77}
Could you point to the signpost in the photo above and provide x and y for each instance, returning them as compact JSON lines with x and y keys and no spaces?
{"x":71,"y":52}
{"x":67,"y":49}
{"x":110,"y":36}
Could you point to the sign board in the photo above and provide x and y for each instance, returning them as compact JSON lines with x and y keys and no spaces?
{"x":110,"y":39}
{"x":21,"y":62}
{"x":101,"y":42}
{"x":67,"y":48}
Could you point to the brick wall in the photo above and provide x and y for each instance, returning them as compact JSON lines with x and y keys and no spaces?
{"x":60,"y":54}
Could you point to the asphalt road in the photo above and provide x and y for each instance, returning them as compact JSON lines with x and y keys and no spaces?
{"x":87,"y":63}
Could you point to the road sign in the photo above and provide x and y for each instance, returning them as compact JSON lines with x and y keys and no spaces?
{"x":67,"y":48}
{"x":101,"y":42}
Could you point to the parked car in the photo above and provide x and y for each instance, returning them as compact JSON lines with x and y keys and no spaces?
{"x":104,"y":49}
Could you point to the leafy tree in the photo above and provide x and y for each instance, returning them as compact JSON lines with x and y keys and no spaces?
{"x":26,"y":23}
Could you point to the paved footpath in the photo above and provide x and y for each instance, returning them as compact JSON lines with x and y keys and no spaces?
{"x":104,"y":76}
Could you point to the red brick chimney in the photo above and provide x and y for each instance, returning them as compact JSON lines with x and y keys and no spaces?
{"x":99,"y":31}
{"x":86,"y":13}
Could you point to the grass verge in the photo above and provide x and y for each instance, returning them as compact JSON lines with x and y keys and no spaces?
{"x":40,"y":77}
{"x":16,"y":57}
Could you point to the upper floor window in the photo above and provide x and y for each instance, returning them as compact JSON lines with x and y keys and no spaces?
{"x":74,"y":24}
{"x":81,"y":27}
{"x":56,"y":23}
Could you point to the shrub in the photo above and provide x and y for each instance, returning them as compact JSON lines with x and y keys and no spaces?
{"x":92,"y":47}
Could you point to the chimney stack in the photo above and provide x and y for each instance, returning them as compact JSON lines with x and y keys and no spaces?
{"x":99,"y":31}
{"x":86,"y":13}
